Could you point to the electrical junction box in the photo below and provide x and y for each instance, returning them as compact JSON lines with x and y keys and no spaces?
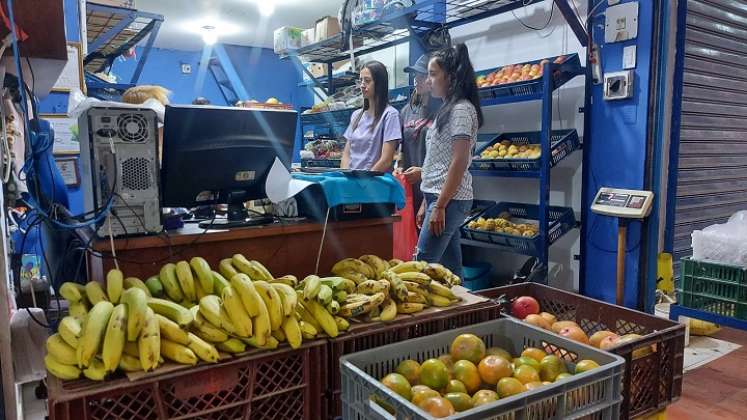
{"x":621,"y":22}
{"x":618,"y":85}
{"x":627,"y":204}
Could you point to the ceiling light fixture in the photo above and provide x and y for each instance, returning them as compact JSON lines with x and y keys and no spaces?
{"x":209,"y":34}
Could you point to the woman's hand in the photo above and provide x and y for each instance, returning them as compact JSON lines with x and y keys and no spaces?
{"x":413,"y":174}
{"x":438,"y":220}
{"x":420,"y":216}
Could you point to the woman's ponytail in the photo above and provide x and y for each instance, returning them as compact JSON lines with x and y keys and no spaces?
{"x":456,"y":63}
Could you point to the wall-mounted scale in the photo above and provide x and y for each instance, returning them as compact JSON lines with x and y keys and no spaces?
{"x":624,"y":205}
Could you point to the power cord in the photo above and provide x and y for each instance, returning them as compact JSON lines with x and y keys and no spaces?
{"x":321,"y":243}
{"x":549,"y":19}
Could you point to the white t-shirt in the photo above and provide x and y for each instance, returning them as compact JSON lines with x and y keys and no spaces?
{"x":463,"y":123}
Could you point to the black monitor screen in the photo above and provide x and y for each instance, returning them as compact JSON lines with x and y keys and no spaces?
{"x":217,"y":154}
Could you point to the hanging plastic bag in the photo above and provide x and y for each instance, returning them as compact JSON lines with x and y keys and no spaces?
{"x":404,"y":232}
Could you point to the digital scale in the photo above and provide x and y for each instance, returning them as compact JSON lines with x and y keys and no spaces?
{"x":624,"y":205}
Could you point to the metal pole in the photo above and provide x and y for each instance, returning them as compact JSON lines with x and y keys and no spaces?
{"x":622,"y":239}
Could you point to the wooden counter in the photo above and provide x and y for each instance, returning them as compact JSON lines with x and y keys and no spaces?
{"x":287,"y":248}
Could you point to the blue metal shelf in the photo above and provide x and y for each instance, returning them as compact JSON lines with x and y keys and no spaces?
{"x":341,"y":80}
{"x":675,"y":311}
{"x":112,"y":31}
{"x":563,"y":144}
{"x":561,"y":221}
{"x":399,"y":25}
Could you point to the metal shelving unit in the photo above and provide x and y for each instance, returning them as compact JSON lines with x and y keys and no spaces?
{"x":412,"y":24}
{"x":111,"y":32}
{"x":536,"y":90}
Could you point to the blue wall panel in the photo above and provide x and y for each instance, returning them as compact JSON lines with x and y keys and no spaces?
{"x":615,"y":153}
{"x":72,"y":20}
{"x":265,"y":75}
{"x":163,"y":68}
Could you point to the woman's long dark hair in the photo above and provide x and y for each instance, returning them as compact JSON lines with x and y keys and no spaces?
{"x":380,"y":78}
{"x":456,"y":64}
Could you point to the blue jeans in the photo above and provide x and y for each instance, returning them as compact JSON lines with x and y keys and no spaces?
{"x":445,"y":249}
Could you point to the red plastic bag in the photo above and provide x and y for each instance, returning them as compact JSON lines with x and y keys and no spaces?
{"x":405,"y":233}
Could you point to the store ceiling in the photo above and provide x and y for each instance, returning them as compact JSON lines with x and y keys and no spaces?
{"x":182,"y":19}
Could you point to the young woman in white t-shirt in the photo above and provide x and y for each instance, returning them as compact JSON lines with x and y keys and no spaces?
{"x":446,"y":181}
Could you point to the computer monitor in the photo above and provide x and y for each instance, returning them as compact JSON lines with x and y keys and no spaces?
{"x":222,"y":155}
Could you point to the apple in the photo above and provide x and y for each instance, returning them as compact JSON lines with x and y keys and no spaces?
{"x":523,"y":306}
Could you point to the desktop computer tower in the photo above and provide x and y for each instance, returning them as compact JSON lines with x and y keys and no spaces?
{"x":119,"y":162}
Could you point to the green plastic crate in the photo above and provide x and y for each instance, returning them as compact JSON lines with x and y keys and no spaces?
{"x":713,"y":287}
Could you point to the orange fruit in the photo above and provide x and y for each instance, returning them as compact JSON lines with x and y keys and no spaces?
{"x":460,"y":401}
{"x":585,"y":366}
{"x":575,"y":334}
{"x":550,"y":367}
{"x":596,"y":339}
{"x":484,"y":396}
{"x":466,"y":372}
{"x":456,"y":386}
{"x":468,"y":347}
{"x":519,"y":361}
{"x":526,"y":374}
{"x":493,"y":368}
{"x":563,"y":375}
{"x":497,"y":351}
{"x":422,"y":394}
{"x":537,"y":321}
{"x":398,"y":384}
{"x":434,"y":374}
{"x":609,"y":342}
{"x":447,"y":360}
{"x":437,"y":407}
{"x":410,"y":369}
{"x":533,"y":385}
{"x":510,"y":386}
{"x":534,"y":353}
{"x":556,"y":327}
{"x":640,"y":352}
{"x":550,"y":318}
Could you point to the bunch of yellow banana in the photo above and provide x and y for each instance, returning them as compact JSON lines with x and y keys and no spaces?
{"x":407,"y":287}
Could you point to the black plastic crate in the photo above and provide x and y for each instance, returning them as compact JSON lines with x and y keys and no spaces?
{"x":561,"y":73}
{"x":561,"y":221}
{"x":562,"y":144}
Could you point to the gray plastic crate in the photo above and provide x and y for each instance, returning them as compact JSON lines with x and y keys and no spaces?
{"x":592,"y":395}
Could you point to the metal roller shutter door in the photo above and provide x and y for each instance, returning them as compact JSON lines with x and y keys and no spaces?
{"x":712,"y":179}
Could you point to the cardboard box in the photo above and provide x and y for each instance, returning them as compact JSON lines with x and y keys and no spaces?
{"x":326,"y":27}
{"x":308,"y":37}
{"x":320,"y":69}
{"x":287,"y":38}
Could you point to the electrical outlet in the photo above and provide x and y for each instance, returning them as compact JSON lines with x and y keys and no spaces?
{"x":621,"y":22}
{"x":186,"y":68}
{"x":618,"y":85}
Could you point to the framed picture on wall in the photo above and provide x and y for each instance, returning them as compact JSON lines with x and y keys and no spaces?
{"x":72,"y":74}
{"x":65,"y":134}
